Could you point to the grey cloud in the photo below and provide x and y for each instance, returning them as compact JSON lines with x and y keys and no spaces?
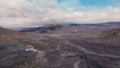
{"x":21,"y":13}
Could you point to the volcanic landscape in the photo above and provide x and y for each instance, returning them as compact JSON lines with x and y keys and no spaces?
{"x":61,"y":46}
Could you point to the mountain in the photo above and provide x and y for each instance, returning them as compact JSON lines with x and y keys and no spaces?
{"x":44,"y":29}
{"x":99,"y":24}
{"x":113,"y":23}
{"x":85,"y":29}
{"x":73,"y":24}
{"x":4,"y":31}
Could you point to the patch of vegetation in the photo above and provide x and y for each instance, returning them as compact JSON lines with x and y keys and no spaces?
{"x":32,"y":64}
{"x":20,"y":44}
{"x":113,"y":34}
{"x":40,"y":42}
{"x":54,"y":35}
{"x":14,"y":37}
{"x":96,"y":36}
{"x":46,"y":59}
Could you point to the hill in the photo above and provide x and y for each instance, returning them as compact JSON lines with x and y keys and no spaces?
{"x":11,"y":37}
{"x":113,"y":34}
{"x":4,"y":31}
{"x":44,"y":29}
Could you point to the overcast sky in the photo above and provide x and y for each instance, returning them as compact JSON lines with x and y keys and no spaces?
{"x":26,"y":13}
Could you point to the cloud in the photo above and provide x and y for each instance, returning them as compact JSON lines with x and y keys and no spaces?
{"x":24,"y":13}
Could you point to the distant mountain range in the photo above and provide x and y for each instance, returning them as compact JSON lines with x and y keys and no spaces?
{"x":52,"y":28}
{"x":100,"y":24}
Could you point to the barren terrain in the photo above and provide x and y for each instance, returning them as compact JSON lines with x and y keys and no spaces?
{"x":59,"y":47}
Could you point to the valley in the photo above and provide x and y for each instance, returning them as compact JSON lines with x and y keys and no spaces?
{"x":60,"y":46}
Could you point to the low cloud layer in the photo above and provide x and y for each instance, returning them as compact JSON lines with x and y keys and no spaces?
{"x":24,"y":13}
